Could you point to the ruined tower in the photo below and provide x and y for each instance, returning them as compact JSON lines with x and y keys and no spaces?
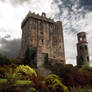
{"x":44,"y":34}
{"x":82,"y":49}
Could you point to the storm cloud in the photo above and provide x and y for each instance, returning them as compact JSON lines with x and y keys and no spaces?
{"x":10,"y":48}
{"x":87,"y":4}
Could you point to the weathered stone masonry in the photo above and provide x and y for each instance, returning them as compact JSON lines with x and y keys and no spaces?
{"x":42,"y":32}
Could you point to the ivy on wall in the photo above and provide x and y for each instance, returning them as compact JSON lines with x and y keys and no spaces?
{"x":29,"y":58}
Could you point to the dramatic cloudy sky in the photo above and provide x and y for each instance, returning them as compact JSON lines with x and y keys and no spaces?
{"x":76,"y":16}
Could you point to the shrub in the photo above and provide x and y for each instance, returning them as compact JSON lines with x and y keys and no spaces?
{"x":54,"y":84}
{"x":26,"y":70}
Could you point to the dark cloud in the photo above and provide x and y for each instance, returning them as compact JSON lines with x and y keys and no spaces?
{"x":10,"y":48}
{"x":87,"y":4}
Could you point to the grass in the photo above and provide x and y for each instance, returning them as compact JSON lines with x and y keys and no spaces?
{"x":23,"y":82}
{"x":18,"y":82}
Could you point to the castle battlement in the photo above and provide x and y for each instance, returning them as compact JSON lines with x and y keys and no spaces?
{"x":38,"y":17}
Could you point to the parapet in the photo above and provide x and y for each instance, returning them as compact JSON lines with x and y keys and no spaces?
{"x":37,"y":16}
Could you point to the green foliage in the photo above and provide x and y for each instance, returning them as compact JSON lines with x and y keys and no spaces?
{"x":73,"y":76}
{"x":27,"y":70}
{"x":54,"y":84}
{"x":12,"y":77}
{"x":79,"y":78}
{"x":85,"y":89}
{"x":4,"y":60}
{"x":30,"y":57}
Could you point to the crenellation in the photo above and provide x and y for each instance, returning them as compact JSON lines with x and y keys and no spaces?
{"x":36,"y":16}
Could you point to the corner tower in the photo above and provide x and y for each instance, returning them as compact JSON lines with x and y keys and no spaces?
{"x":82,"y":49}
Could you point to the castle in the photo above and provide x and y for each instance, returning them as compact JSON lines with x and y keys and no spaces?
{"x":45,"y":34}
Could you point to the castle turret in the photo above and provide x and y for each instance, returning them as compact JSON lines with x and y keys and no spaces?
{"x":82,"y":49}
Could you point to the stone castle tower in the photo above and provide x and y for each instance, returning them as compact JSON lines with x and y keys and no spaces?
{"x":82,"y":49}
{"x":44,"y":34}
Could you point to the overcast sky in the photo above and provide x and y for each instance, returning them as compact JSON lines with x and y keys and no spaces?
{"x":76,"y":16}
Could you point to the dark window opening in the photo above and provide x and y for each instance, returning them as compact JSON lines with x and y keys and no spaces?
{"x":87,"y":58}
{"x":80,"y":47}
{"x":84,"y":36}
{"x":42,"y":41}
{"x":86,"y":47}
{"x":54,"y":57}
{"x":42,"y":33}
{"x":41,"y":23}
{"x":81,"y":58}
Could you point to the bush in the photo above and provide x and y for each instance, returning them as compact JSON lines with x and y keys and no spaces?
{"x":54,"y":84}
{"x":26,"y":70}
